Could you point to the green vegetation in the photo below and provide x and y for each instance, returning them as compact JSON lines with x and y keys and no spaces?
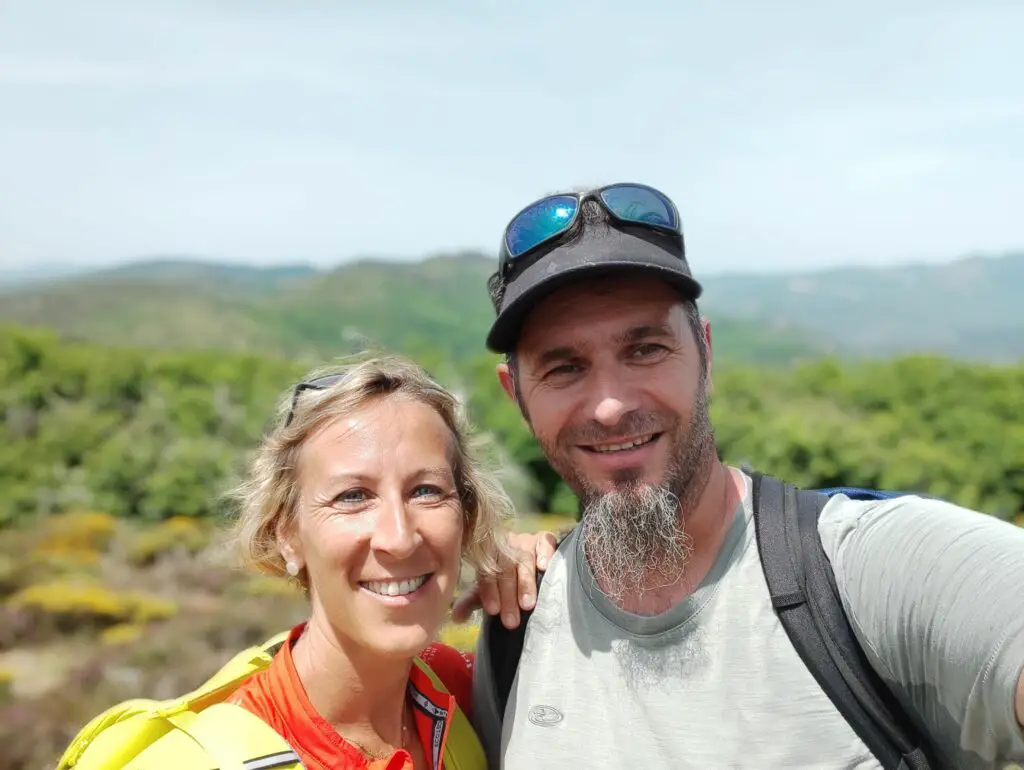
{"x":153,"y":435}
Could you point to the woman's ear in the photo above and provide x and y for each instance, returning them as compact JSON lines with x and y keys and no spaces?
{"x":290,"y":547}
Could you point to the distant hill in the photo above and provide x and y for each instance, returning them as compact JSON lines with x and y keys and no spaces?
{"x":968,"y":308}
{"x":211,"y":276}
{"x":12,"y":278}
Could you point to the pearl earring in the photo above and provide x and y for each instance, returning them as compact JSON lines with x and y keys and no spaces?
{"x":292,"y":568}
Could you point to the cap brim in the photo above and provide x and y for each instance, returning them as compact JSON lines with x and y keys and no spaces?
{"x":613,"y":251}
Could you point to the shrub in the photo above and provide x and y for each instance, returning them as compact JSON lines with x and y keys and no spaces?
{"x":89,"y":532}
{"x":122,"y":633}
{"x":146,"y":608}
{"x":62,"y":562}
{"x":181,"y":533}
{"x":266,"y":586}
{"x":67,"y":606}
{"x":6,"y":685}
{"x":8,"y":575}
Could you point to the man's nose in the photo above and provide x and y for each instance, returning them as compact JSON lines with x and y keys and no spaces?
{"x":615,"y":396}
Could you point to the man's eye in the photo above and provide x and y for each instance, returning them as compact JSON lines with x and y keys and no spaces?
{"x":648,"y":349}
{"x":563,"y":369}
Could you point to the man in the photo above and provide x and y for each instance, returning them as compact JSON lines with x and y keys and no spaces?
{"x":654,"y":642}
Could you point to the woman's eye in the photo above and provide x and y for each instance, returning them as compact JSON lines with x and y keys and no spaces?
{"x":428,"y":490}
{"x":351,"y":496}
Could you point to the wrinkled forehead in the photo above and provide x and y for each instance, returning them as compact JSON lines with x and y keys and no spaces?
{"x":608,"y":306}
{"x":375,"y":430}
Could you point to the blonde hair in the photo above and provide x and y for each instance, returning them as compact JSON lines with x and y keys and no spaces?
{"x":268,"y":498}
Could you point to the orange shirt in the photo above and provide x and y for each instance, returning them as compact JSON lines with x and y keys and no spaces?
{"x":277,"y":697}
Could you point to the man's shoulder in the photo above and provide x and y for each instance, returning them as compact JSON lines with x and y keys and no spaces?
{"x":844,"y":519}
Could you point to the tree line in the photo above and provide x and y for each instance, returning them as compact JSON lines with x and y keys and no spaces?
{"x":154,"y":434}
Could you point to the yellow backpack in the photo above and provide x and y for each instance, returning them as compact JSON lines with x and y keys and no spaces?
{"x":199,"y":731}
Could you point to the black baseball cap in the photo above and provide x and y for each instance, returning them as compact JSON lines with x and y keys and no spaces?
{"x":599,"y":242}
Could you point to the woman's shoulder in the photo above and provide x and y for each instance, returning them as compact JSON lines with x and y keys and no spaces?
{"x":454,"y":668}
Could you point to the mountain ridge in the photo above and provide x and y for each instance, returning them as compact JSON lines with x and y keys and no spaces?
{"x":967,"y":307}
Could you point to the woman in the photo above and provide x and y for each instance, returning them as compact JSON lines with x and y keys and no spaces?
{"x":368,"y":496}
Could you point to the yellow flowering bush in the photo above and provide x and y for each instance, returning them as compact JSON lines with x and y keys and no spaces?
{"x":69,"y":604}
{"x":180,"y":532}
{"x":122,"y":633}
{"x":88,"y":531}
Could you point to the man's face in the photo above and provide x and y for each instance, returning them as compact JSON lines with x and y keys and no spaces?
{"x":610,"y":378}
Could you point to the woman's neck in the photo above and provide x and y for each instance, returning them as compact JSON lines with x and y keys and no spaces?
{"x":361,"y":694}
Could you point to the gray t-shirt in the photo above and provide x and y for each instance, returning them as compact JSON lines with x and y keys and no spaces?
{"x":935,"y":594}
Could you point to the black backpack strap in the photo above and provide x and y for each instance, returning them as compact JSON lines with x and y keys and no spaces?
{"x":504,"y":646}
{"x":806,"y":600}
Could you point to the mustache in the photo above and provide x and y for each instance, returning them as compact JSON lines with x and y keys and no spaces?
{"x":633,"y":423}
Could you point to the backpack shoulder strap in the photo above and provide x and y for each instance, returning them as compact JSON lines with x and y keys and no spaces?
{"x":462,"y":748}
{"x":806,"y":599}
{"x":150,"y":733}
{"x":504,"y":646}
{"x":235,"y":739}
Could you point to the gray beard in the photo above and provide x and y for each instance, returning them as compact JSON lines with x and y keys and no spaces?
{"x":634,"y":537}
{"x":634,"y":541}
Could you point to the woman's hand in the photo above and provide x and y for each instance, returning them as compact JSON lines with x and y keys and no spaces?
{"x":515,"y":587}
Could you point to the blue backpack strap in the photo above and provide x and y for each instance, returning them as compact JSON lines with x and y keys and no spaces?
{"x":806,"y":599}
{"x":860,"y":493}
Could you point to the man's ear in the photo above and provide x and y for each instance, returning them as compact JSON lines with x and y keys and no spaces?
{"x":507,"y":384}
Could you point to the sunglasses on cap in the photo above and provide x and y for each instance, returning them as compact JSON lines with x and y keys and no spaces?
{"x":553,"y":216}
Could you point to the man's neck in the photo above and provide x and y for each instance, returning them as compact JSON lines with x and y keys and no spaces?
{"x":706,"y":527}
{"x":361,"y":694}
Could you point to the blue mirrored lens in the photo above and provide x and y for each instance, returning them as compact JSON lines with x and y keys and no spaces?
{"x":544,"y":219}
{"x":640,"y":204}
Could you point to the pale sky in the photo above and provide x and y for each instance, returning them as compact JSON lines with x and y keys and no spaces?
{"x":791,"y":134}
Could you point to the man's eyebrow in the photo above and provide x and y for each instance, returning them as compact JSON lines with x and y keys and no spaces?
{"x":554,"y":355}
{"x":633,"y":334}
{"x":645,"y":332}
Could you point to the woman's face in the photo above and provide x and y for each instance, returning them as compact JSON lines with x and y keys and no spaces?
{"x":379,"y":526}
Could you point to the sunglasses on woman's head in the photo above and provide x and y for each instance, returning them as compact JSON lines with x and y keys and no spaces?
{"x":320,"y":383}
